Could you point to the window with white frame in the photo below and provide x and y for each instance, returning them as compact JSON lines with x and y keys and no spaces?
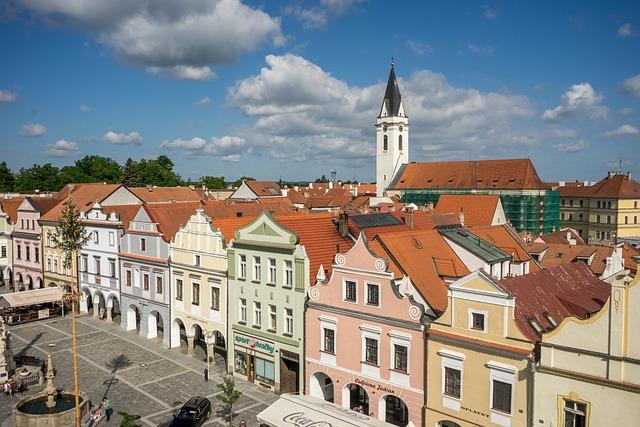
{"x":502,"y":382}
{"x":371,"y":350}
{"x":478,"y":320}
{"x":272,"y":270}
{"x":242,"y":273}
{"x":196,"y":260}
{"x":179,"y":288}
{"x":112,"y":238}
{"x":96,"y":263}
{"x":329,"y":340}
{"x":350,"y":291}
{"x":3,"y":251}
{"x":84,"y":263}
{"x":242,"y":310}
{"x":257,"y":314}
{"x":96,"y":239}
{"x":452,"y":370}
{"x":145,"y":281}
{"x":575,"y":414}
{"x":195,"y":293}
{"x":288,"y":273}
{"x":128,"y":278}
{"x":112,"y":268}
{"x":373,"y":294}
{"x":143,"y":244}
{"x":158,"y":284}
{"x":288,"y":321}
{"x":215,"y":298}
{"x":400,"y":348}
{"x":48,"y":264}
{"x":273,"y":317}
{"x":257,"y":269}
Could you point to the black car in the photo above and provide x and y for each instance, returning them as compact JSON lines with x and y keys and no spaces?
{"x":193,"y":413}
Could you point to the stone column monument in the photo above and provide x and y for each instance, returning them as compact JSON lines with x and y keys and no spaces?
{"x":7,"y":364}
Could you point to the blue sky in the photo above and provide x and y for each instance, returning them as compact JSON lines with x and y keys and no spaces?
{"x":291,"y":89}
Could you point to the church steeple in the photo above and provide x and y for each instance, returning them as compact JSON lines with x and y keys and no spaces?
{"x":392,"y":103}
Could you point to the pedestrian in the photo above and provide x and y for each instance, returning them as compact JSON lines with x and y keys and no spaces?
{"x":206,"y":374}
{"x":106,"y":404}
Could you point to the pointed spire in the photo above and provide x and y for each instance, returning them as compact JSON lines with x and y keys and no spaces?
{"x":392,"y":98}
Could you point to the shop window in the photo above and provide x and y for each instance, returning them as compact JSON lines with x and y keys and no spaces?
{"x":240,"y":365}
{"x":265,"y":371}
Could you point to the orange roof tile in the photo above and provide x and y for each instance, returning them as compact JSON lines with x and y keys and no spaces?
{"x":170,"y":216}
{"x":10,"y":207}
{"x":561,"y":236}
{"x":152,"y":194}
{"x":126,"y":213}
{"x":84,"y":196}
{"x":227,"y":208}
{"x":613,"y":187}
{"x":264,"y":188}
{"x":229,"y":225}
{"x":558,"y":254}
{"x":426,"y":258}
{"x":480,"y":174}
{"x":631,"y":257}
{"x":505,"y":238}
{"x":478,"y":209}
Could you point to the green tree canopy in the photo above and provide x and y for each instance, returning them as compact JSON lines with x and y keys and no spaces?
{"x":214,"y":182}
{"x":38,"y":177}
{"x":99,"y":169}
{"x":158,"y":172}
{"x":7,"y":180}
{"x":130,"y":176}
{"x":243,"y":178}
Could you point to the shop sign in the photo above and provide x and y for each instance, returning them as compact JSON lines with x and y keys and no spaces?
{"x":300,"y":419}
{"x":474,"y":411}
{"x":377,"y":387}
{"x":255,"y":344}
{"x":43,"y":313}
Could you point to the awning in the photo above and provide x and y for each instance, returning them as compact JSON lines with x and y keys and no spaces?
{"x":297,"y":411}
{"x":36,"y":296}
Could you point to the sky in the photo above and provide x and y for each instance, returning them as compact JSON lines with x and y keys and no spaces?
{"x":292,"y":89}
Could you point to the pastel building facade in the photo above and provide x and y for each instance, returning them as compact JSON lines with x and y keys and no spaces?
{"x":8,"y":213}
{"x":365,"y":339}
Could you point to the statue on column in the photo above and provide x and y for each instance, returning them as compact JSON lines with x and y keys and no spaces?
{"x":7,"y":364}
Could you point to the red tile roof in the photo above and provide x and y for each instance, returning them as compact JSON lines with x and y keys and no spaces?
{"x":558,"y":254}
{"x":152,"y":194}
{"x":507,"y":239}
{"x":478,"y":209}
{"x":614,"y":187}
{"x":126,"y":213}
{"x":84,"y":196}
{"x":10,"y":207}
{"x":228,"y":208}
{"x":561,"y":236}
{"x":170,"y":216}
{"x":631,"y":256}
{"x":557,"y":293}
{"x":479,"y":174}
{"x":264,"y":188}
{"x":426,"y":258}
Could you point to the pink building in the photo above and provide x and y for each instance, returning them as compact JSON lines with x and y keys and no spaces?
{"x":27,"y":245}
{"x":365,"y":338}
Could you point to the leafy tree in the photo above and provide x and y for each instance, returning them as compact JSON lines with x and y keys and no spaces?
{"x":238,"y":182}
{"x":158,"y":172}
{"x":128,"y":420}
{"x":38,"y":177}
{"x":214,"y":182}
{"x":7,"y":180}
{"x":99,"y":169}
{"x":229,"y":394}
{"x":71,"y":174}
{"x":323,"y":178}
{"x":129,"y":175}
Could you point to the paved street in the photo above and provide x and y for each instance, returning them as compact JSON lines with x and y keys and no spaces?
{"x":138,"y":375}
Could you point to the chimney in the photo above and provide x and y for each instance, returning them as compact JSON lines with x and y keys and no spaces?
{"x":330,"y":185}
{"x":461,"y":217}
{"x":409,"y":217}
{"x":343,"y":224}
{"x":611,"y":175}
{"x":430,"y":206}
{"x":629,"y":175}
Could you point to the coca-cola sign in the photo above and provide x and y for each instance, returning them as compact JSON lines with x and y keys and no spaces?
{"x":301,"y":419}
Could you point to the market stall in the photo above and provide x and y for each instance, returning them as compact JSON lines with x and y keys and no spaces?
{"x":27,"y":306}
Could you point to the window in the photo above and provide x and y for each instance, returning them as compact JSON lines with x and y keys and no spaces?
{"x":477,"y":321}
{"x":562,"y":202}
{"x":371,"y":350}
{"x":128,"y":275}
{"x":626,"y":219}
{"x":598,"y":204}
{"x":400,"y":357}
{"x":112,"y":238}
{"x":196,"y":260}
{"x":257,"y":314}
{"x":179,"y":286}
{"x":22,"y":223}
{"x":243,"y":267}
{"x":36,"y":254}
{"x":635,"y":205}
{"x":195,"y":293}
{"x":452,"y":382}
{"x":96,"y":239}
{"x":55,"y":266}
{"x":608,"y":219}
{"x":575,"y":414}
{"x":288,"y":273}
{"x":96,"y":265}
{"x":329,"y":344}
{"x":243,"y":310}
{"x":608,"y":235}
{"x":48,"y":264}
{"x":597,"y":234}
{"x":256,"y":269}
{"x":145,"y":281}
{"x":3,"y":250}
{"x":273,"y":318}
{"x":143,"y":244}
{"x":501,"y":397}
{"x":112,"y":268}
{"x":272,"y":270}
{"x":580,"y":215}
{"x":581,"y":203}
{"x":27,"y":250}
{"x":609,"y":204}
{"x":373,"y":294}
{"x":562,"y":216}
{"x":158,"y":284}
{"x":350,"y":291}
{"x":385,"y":143}
{"x":288,"y":317}
{"x":635,"y":219}
{"x":571,"y":203}
{"x":570,"y":217}
{"x":215,"y":298}
{"x":598,"y":218}
{"x":265,"y":371}
{"x":400,"y":142}
{"x":19,"y":254}
{"x":84,"y":263}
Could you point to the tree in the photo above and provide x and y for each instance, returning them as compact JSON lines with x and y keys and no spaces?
{"x":7,"y":180}
{"x":323,"y":178}
{"x":129,"y":176}
{"x":229,"y":394}
{"x":99,"y":169}
{"x":71,"y":174}
{"x":38,"y":177}
{"x":70,"y":237}
{"x":214,"y":182}
{"x":238,"y":183}
{"x":158,"y":172}
{"x":128,"y":420}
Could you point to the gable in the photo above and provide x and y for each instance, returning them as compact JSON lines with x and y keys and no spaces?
{"x":243,"y":192}
{"x":121,"y":196}
{"x":265,"y":230}
{"x":361,"y":257}
{"x":478,"y":283}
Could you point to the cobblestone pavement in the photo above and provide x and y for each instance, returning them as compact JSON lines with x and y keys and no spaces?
{"x":137,"y":374}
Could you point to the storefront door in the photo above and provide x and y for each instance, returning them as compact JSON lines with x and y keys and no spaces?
{"x":250,"y":366}
{"x":288,"y":376}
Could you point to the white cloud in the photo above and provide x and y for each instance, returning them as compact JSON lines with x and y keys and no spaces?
{"x":571,"y":147}
{"x":564,"y":133}
{"x":62,"y":148}
{"x":626,"y":111}
{"x":579,"y":98}
{"x":311,"y":18}
{"x":480,"y":50}
{"x":303,"y":111}
{"x":203,"y":101}
{"x":33,"y":129}
{"x":339,"y":6}
{"x":85,"y":108}
{"x":631,"y":86}
{"x":232,"y":158}
{"x":195,"y":147}
{"x":489,"y":12}
{"x":418,"y":48}
{"x":174,"y":39}
{"x":623,"y":131}
{"x":625,"y":30}
{"x":8,"y":96}
{"x":123,"y":138}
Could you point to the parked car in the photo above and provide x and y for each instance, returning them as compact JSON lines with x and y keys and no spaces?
{"x":194,"y":413}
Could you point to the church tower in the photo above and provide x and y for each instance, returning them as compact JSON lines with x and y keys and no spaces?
{"x":392,"y":136}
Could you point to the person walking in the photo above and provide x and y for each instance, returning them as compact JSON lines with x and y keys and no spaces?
{"x":106,"y":404}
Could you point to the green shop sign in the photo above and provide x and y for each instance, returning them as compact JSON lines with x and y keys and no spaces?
{"x":254,"y":344}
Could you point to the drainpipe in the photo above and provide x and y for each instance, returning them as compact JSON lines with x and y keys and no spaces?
{"x":531,"y":390}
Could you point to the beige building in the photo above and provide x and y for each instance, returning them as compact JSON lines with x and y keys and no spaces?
{"x":603,"y":212}
{"x":589,"y":370}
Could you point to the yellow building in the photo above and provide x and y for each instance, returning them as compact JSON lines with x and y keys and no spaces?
{"x":604,"y":212}
{"x":589,"y":370}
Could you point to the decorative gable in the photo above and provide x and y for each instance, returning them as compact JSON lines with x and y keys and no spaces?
{"x":477,"y":284}
{"x":361,"y":257}
{"x":265,"y":230}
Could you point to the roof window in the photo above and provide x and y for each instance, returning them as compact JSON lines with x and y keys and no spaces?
{"x":536,"y":325}
{"x":417,"y":243}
